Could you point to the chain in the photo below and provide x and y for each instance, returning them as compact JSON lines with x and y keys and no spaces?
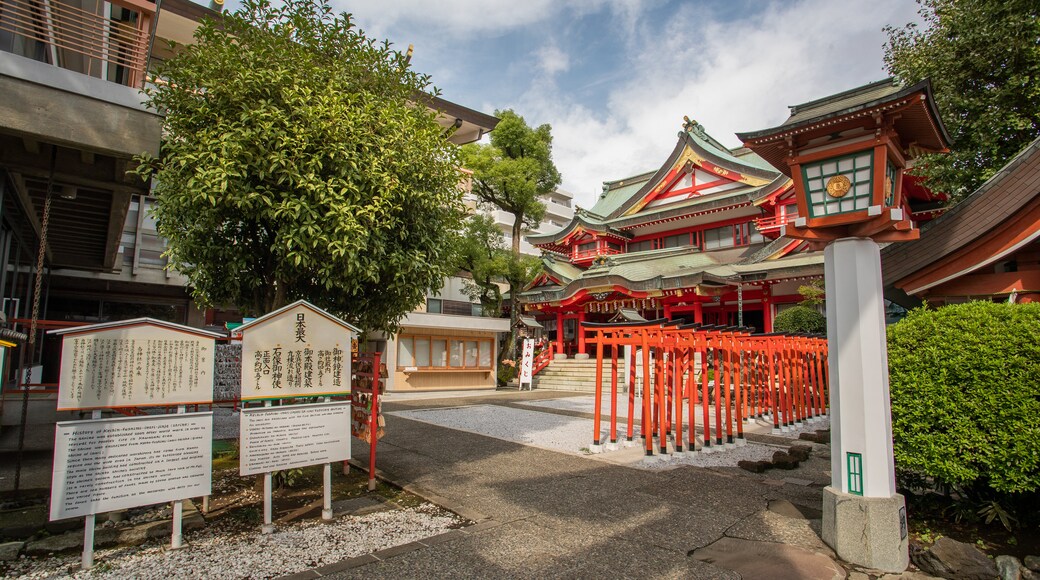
{"x":39,"y":267}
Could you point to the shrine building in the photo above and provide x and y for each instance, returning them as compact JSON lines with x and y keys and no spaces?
{"x":699,"y":238}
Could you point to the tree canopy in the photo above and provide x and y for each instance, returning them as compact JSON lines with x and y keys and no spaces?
{"x":514,"y":170}
{"x":983,"y":58}
{"x":296,"y":164}
{"x":511,"y":173}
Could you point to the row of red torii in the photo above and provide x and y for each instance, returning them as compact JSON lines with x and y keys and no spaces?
{"x":776,"y":376}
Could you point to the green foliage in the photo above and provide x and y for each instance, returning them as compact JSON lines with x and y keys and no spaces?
{"x":480,"y":254}
{"x":510,"y":174}
{"x":287,"y":478}
{"x":297,"y":165}
{"x":983,"y":58}
{"x":800,"y":319}
{"x":812,"y":293}
{"x":965,"y":388}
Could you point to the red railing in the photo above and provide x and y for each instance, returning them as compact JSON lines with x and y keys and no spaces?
{"x":542,"y":359}
{"x":83,"y":40}
{"x":585,"y":254}
{"x":772,"y":224}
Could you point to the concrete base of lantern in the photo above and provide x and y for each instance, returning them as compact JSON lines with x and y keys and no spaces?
{"x":867,"y":531}
{"x":581,"y":356}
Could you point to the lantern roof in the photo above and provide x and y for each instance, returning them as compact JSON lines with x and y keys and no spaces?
{"x":911,"y":108}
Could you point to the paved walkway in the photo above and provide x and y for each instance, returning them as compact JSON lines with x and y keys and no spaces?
{"x":547,"y":514}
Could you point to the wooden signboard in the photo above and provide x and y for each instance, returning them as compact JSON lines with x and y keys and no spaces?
{"x":135,"y":363}
{"x":296,"y":351}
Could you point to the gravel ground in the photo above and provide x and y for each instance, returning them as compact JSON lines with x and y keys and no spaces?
{"x":233,"y":550}
{"x":569,"y":434}
{"x":225,"y":423}
{"x":544,"y":430}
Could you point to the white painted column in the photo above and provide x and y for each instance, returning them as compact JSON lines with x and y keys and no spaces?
{"x":864,"y":519}
{"x":861,"y":417}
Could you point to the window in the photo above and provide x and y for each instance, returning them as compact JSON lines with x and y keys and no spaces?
{"x":675,"y":241}
{"x":422,"y":351}
{"x":641,"y":246}
{"x":717,"y":238}
{"x":587,"y":247}
{"x":476,"y":310}
{"x":438,"y":353}
{"x":614,"y":246}
{"x":748,"y":233}
{"x":442,"y":353}
{"x":433,"y":305}
{"x":406,"y":352}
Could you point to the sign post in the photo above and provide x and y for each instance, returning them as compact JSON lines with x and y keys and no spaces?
{"x":110,"y":464}
{"x":294,"y":352}
{"x":527,"y":365}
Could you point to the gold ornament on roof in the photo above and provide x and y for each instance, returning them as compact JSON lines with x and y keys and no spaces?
{"x":838,"y":186}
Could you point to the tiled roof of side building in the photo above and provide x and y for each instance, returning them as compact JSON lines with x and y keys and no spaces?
{"x":989,"y":207}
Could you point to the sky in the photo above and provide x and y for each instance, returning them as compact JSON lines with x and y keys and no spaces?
{"x":614,"y":78}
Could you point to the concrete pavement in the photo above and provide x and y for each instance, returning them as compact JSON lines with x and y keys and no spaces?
{"x":545,"y":514}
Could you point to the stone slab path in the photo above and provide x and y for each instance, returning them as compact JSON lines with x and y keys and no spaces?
{"x":542,"y":513}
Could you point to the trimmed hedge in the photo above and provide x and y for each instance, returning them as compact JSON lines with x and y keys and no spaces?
{"x":965,"y":382}
{"x":800,"y":319}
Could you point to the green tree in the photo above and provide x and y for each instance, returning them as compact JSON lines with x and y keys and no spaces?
{"x":510,"y":174}
{"x":480,"y":255}
{"x":483,"y":254}
{"x":296,"y":165}
{"x":983,"y":58}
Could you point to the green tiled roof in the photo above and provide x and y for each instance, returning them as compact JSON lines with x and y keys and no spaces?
{"x":564,"y":270}
{"x":844,"y":100}
{"x":647,"y":268}
{"x":616,"y":193}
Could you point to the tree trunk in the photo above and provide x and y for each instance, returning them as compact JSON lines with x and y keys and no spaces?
{"x":514,"y":300}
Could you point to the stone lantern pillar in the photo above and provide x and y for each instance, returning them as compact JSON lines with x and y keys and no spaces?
{"x":846,"y":155}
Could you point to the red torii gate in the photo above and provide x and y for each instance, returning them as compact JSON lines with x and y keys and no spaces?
{"x":778,"y":375}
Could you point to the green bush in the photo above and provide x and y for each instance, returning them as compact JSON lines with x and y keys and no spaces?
{"x":965,"y":382}
{"x":800,"y":319}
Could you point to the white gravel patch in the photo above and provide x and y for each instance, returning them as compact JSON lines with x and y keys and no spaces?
{"x":544,"y":430}
{"x":573,"y":435}
{"x":225,"y":423}
{"x":218,"y":553}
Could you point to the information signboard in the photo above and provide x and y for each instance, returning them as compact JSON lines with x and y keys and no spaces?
{"x":527,"y":363}
{"x":299,"y":350}
{"x":135,"y":363}
{"x":112,"y":464}
{"x":293,"y":436}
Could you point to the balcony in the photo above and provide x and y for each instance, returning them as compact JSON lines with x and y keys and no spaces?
{"x":770,"y":226}
{"x":107,"y":40}
{"x":588,"y":255}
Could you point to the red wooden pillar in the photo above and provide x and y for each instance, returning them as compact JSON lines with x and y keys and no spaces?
{"x":698,"y":312}
{"x":580,"y":330}
{"x":668,"y":311}
{"x":559,"y":331}
{"x":767,"y":308}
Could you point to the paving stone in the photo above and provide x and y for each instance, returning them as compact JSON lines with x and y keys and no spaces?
{"x":788,"y":509}
{"x":10,"y":550}
{"x":752,"y":559}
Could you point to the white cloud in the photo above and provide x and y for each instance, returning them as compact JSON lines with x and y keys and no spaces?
{"x":462,"y":17}
{"x":552,"y":60}
{"x":730,"y":76}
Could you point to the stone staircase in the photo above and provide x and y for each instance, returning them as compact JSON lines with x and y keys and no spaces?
{"x":569,"y":375}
